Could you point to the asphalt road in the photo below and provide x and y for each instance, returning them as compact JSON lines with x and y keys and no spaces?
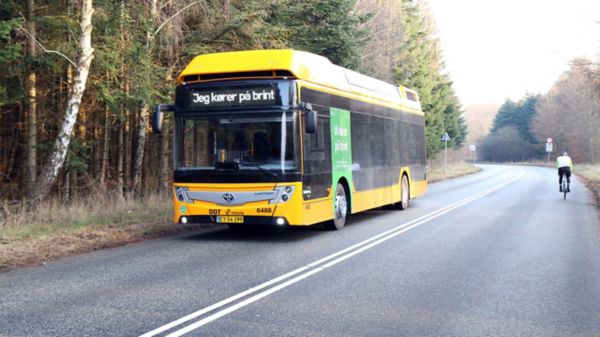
{"x":498,"y":253}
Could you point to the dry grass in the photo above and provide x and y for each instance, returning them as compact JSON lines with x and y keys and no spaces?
{"x":591,"y":176}
{"x":100,"y":221}
{"x":56,"y":230}
{"x":453,"y":170}
{"x":54,"y":217}
{"x":588,"y":171}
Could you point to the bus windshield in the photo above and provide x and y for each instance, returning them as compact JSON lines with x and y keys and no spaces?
{"x":235,"y":142}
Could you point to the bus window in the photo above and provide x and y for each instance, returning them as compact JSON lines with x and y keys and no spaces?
{"x":251,"y":142}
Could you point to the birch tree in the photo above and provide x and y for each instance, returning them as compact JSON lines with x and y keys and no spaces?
{"x":57,"y":156}
{"x":143,"y":113}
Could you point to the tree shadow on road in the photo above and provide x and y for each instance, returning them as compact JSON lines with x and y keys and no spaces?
{"x":275,"y":233}
{"x":255,"y":233}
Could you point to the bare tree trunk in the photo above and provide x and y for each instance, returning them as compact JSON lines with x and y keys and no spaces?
{"x":66,"y":189}
{"x":56,"y":158}
{"x":70,"y":175}
{"x":163,"y":184}
{"x":120,"y":159}
{"x":122,"y":147}
{"x":74,"y":183}
{"x":143,"y":114}
{"x":105,"y":148}
{"x":82,"y":129}
{"x":96,"y":150}
{"x":31,"y":173}
{"x":128,"y":142}
{"x":14,"y":169}
{"x":139,"y":151}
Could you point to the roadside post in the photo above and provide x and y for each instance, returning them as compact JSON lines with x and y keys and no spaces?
{"x":473,"y":149}
{"x":445,"y":139}
{"x":549,"y":148}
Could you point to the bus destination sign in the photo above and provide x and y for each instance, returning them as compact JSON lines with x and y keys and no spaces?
{"x":224,"y":97}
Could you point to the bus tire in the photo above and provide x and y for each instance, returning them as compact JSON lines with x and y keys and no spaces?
{"x":404,"y":194}
{"x":340,"y":206}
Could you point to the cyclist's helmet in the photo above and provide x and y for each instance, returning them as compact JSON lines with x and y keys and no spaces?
{"x":565,"y":153}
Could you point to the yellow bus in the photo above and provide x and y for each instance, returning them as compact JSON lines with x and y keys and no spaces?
{"x":285,"y":137}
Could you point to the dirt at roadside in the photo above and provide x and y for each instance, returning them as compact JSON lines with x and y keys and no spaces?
{"x":16,"y":253}
{"x":32,"y":252}
{"x":594,"y":186}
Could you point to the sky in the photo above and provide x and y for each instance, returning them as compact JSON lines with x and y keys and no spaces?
{"x":499,"y":49}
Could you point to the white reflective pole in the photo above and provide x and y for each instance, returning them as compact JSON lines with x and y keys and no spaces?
{"x":445,"y":153}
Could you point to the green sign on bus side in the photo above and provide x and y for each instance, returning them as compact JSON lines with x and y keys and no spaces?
{"x":341,"y":147}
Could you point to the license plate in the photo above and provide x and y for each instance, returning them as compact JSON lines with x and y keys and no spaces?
{"x":230,"y":219}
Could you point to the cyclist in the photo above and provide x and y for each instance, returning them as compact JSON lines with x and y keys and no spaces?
{"x":565,"y":165}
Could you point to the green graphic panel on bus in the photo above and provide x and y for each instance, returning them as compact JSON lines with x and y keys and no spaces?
{"x":341,"y":147}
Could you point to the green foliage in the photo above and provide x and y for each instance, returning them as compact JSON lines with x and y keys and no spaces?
{"x":10,"y":53}
{"x":519,"y":115}
{"x":328,"y":28}
{"x":511,"y":137}
{"x":135,"y":65}
{"x":507,"y":145}
{"x":419,"y":67}
{"x":78,"y":155}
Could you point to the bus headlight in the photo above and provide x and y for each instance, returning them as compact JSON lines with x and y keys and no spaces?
{"x":284,"y":193}
{"x":181,"y":193}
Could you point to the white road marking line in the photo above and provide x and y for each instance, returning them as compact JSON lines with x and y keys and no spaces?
{"x":242,"y":304}
{"x":222,"y":303}
{"x":311,"y":269}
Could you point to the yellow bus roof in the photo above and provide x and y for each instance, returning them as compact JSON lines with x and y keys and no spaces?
{"x":302,"y":65}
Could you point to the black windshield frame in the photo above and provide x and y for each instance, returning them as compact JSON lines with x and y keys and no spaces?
{"x":228,"y":169}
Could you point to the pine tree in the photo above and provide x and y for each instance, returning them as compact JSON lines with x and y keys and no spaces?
{"x":141,"y":46}
{"x":328,"y":28}
{"x":511,"y":137}
{"x":420,"y":67}
{"x":517,"y":114}
{"x":10,"y":53}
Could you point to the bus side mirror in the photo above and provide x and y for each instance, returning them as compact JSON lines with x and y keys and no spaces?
{"x":158,"y":116}
{"x":310,"y":120}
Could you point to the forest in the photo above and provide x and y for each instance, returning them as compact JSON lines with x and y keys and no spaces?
{"x":568,"y":114}
{"x":80,"y":78}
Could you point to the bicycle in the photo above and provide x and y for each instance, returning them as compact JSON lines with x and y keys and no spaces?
{"x":565,"y":187}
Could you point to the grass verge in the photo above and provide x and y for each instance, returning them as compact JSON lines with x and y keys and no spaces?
{"x":591,"y":175}
{"x":453,"y":170}
{"x":55,"y":230}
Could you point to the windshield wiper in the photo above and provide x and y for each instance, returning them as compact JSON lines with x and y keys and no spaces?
{"x":260,"y":168}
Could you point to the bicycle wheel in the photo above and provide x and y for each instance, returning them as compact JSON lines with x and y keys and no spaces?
{"x":564,"y":188}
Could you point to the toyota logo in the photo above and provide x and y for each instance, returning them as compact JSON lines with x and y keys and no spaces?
{"x":228,"y":197}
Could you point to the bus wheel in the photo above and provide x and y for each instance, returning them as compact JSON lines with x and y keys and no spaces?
{"x":404,"y":194}
{"x":340,"y":206}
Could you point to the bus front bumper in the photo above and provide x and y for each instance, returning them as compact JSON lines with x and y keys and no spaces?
{"x":235,"y":220}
